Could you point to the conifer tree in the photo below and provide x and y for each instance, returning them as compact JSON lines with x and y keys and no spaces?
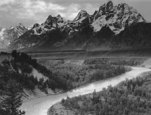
{"x":12,"y":100}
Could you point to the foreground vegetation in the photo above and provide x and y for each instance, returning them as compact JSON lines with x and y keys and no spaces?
{"x":75,"y":74}
{"x":16,"y":77}
{"x":131,"y":97}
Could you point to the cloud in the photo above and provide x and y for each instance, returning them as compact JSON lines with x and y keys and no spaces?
{"x":71,"y":11}
{"x":34,"y":9}
{"x":38,"y":9}
{"x":5,"y":2}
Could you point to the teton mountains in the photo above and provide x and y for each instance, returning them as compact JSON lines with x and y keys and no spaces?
{"x":111,"y":26}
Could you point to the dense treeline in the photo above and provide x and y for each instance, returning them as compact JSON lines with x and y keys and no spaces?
{"x":19,"y":69}
{"x":131,"y":97}
{"x":76,"y":75}
{"x":115,"y":61}
{"x":53,"y":81}
{"x":15,"y":77}
{"x":62,"y":76}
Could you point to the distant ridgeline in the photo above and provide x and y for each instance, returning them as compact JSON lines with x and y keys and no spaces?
{"x":111,"y":26}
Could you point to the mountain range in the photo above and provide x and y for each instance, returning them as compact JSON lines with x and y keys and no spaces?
{"x":111,"y":26}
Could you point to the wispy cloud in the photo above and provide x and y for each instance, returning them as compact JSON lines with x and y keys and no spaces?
{"x":34,"y":9}
{"x":38,"y":9}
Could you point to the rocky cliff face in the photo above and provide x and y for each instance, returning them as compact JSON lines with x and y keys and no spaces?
{"x":116,"y":17}
{"x":85,"y":28}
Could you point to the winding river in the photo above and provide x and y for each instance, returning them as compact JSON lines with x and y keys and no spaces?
{"x":41,"y":105}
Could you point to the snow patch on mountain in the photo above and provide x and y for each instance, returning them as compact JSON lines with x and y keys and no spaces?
{"x":116,"y":17}
{"x":2,"y":33}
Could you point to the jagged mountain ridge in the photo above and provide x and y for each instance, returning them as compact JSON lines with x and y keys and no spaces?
{"x":116,"y":17}
{"x":8,"y":35}
{"x":84,"y":31}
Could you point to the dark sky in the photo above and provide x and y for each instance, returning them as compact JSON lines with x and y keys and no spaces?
{"x":29,"y":12}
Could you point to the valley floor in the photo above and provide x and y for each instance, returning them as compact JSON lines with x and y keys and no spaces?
{"x":40,"y":106}
{"x":83,"y":54}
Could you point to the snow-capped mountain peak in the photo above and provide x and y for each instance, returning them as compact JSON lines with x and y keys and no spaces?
{"x":7,"y":35}
{"x":116,"y":17}
{"x":81,"y":15}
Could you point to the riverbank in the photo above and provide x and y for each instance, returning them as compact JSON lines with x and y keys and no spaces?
{"x":130,"y":97}
{"x":41,"y":106}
